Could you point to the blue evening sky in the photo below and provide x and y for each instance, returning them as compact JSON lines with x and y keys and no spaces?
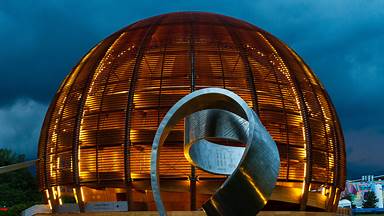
{"x":341,"y":40}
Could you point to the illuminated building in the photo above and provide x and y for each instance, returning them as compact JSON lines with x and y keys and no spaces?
{"x":96,"y":138}
{"x":358,"y":188}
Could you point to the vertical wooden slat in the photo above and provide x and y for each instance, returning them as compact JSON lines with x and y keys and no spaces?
{"x":192,"y":177}
{"x":130,"y":106}
{"x":244,"y":57}
{"x":76,"y":132}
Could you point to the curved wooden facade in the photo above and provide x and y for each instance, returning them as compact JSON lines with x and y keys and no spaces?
{"x":97,"y":134}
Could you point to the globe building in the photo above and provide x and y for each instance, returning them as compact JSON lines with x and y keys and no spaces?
{"x":96,"y":138}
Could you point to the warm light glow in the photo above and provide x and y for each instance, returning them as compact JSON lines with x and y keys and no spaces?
{"x":105,"y":61}
{"x":254,"y":186}
{"x":304,"y":181}
{"x":58,"y":163}
{"x":54,"y":193}
{"x":119,"y":92}
{"x":296,"y":193}
{"x":75,"y":195}
{"x":49,"y":204}
{"x":335,"y":198}
{"x":305,"y":163}
{"x":82,"y":194}
{"x":283,"y":68}
{"x":51,"y":174}
{"x":78,"y":157}
{"x":59,"y":195}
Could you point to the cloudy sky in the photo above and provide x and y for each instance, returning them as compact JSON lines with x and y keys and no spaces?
{"x":342,"y":41}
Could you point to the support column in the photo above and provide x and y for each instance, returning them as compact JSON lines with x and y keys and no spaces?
{"x":192,"y":177}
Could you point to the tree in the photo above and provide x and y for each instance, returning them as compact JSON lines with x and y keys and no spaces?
{"x":370,"y":200}
{"x":349,"y":197}
{"x":18,"y":189}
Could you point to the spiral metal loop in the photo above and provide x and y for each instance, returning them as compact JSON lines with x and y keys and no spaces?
{"x":252,"y":170}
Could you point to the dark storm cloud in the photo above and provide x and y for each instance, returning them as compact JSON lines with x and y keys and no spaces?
{"x":40,"y":42}
{"x":20,"y":126}
{"x":364,"y":151}
{"x":341,"y":41}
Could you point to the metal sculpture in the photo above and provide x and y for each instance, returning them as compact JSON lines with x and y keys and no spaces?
{"x":205,"y":125}
{"x":17,"y":166}
{"x":253,"y":170}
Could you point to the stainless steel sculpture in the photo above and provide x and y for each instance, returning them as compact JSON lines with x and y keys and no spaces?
{"x":253,"y":170}
{"x":13,"y":167}
{"x":205,"y":125}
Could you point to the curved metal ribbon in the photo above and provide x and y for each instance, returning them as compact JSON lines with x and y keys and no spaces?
{"x":206,"y":128}
{"x":247,"y":189}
